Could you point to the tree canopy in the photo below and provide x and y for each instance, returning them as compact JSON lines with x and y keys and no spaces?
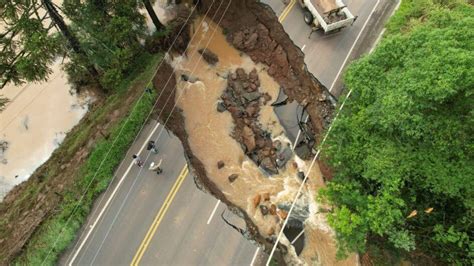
{"x":402,"y":147}
{"x":110,"y":34}
{"x":102,"y":38}
{"x":26,"y":46}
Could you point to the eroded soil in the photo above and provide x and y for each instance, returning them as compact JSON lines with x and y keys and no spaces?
{"x":227,"y":127}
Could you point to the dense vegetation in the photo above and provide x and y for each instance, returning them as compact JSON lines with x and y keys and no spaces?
{"x":110,"y":33}
{"x":402,"y":147}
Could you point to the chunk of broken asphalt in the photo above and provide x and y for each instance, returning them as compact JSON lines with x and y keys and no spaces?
{"x":221,"y":107}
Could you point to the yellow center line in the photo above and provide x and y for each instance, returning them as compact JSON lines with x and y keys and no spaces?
{"x":159,"y":216}
{"x":286,"y":11}
{"x":184,"y":172}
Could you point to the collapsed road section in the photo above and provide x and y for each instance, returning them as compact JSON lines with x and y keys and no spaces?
{"x":222,"y":108}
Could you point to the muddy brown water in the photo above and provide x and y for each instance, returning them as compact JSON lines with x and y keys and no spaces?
{"x":39,"y":115}
{"x":209,"y":135}
{"x":34,"y":123}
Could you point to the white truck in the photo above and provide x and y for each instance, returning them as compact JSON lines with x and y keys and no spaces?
{"x":328,"y":15}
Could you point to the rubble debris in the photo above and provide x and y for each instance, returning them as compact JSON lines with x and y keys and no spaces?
{"x":282,"y":214}
{"x":250,"y":96}
{"x":248,"y":138}
{"x":273,"y":209}
{"x":282,"y":99}
{"x":303,"y":150}
{"x":3,"y":149}
{"x":220,"y":164}
{"x":221,"y":107}
{"x":221,"y":75}
{"x":262,"y":41}
{"x":301,"y":175}
{"x":241,"y":97}
{"x":188,"y":78}
{"x":256,"y":200}
{"x":268,"y":166}
{"x":210,"y":57}
{"x":266,"y":98}
{"x":299,"y":213}
{"x":233,"y":177}
{"x":283,"y":156}
{"x":271,"y":231}
{"x":266,"y":196}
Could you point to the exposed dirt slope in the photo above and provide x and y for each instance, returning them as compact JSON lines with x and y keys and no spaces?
{"x":253,"y":28}
{"x":260,"y":199}
{"x":167,"y":112}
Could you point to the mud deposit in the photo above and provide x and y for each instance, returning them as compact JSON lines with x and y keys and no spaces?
{"x":230,"y":129}
{"x":253,"y":28}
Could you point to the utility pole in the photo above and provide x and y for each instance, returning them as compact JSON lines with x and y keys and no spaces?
{"x":71,"y":38}
{"x":153,"y":16}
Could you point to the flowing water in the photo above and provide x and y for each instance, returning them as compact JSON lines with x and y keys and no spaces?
{"x":39,"y":115}
{"x":163,"y":10}
{"x":209,"y":135}
{"x":34,"y":123}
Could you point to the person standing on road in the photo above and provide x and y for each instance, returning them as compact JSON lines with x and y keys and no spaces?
{"x":151,"y":146}
{"x":156,"y":167}
{"x":137,"y":160}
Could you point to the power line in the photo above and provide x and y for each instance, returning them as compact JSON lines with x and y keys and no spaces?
{"x":116,"y":138}
{"x":164,"y":125}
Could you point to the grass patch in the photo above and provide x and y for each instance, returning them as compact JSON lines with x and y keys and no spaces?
{"x":416,"y":12}
{"x":56,"y":233}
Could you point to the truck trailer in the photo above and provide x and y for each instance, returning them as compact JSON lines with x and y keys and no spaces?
{"x":328,"y":15}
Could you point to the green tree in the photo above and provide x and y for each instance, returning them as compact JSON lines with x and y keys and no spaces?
{"x":27,"y":47}
{"x":402,"y":147}
{"x":30,"y":45}
{"x":72,"y":40}
{"x":111,"y":32}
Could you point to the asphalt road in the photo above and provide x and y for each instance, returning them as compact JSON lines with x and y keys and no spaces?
{"x":169,"y":202}
{"x":150,"y":219}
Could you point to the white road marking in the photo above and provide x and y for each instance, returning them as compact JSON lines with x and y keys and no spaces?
{"x":298,"y":135}
{"x":296,"y":140}
{"x":396,"y":7}
{"x":343,"y":64}
{"x":254,"y":257}
{"x":91,"y":228}
{"x":353,"y":45}
{"x":377,"y":40}
{"x":298,"y":236}
{"x":324,"y":139}
{"x":213,"y":212}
